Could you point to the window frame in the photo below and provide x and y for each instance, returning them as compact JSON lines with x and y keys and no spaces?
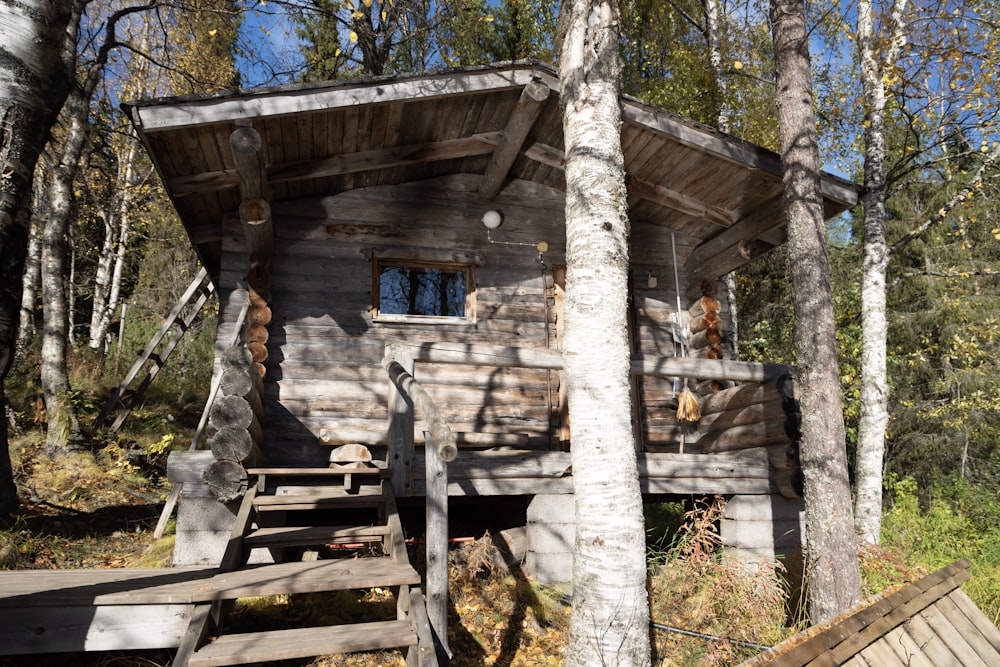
{"x":380,"y":263}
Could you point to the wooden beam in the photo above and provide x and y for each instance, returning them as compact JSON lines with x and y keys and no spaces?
{"x":255,"y":215}
{"x":728,"y":243}
{"x":397,"y":156}
{"x":680,"y":202}
{"x":521,"y":120}
{"x":249,"y":159}
{"x":337,"y":95}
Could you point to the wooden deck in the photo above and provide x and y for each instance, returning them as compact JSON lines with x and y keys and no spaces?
{"x":52,"y":588}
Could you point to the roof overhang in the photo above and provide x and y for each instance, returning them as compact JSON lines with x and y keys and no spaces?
{"x":719,"y":195}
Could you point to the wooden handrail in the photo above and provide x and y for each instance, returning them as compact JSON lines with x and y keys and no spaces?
{"x":498,"y":356}
{"x":407,"y":385}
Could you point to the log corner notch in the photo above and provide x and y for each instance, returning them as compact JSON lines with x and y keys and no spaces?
{"x":519,"y":125}
{"x":255,"y":212}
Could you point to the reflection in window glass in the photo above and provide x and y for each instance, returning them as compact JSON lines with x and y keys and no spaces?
{"x":409,"y":290}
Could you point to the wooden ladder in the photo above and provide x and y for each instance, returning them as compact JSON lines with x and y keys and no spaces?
{"x":180,"y":318}
{"x":274,"y":501}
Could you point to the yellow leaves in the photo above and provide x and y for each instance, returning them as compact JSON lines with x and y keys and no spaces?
{"x":737,"y":65}
{"x":357,"y":14}
{"x":368,"y":3}
{"x":213,"y":32}
{"x":353,"y":37}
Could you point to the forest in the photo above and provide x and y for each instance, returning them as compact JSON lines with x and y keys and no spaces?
{"x":906,"y":104}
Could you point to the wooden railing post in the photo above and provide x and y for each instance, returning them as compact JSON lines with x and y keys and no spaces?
{"x":436,"y":545}
{"x":400,"y":436}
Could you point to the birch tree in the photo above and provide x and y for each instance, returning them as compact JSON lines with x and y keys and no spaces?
{"x":33,"y":85}
{"x":874,"y":420}
{"x":832,"y":558}
{"x":610,"y":618}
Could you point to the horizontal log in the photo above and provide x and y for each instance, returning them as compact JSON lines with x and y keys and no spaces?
{"x":740,"y":396}
{"x":710,"y":369}
{"x":236,"y":357}
{"x":712,"y":352}
{"x":705,"y":338}
{"x":702,"y":305}
{"x":185,"y":466}
{"x":259,"y":314}
{"x":260,"y":295}
{"x":227,"y":480}
{"x":234,"y":443}
{"x":245,"y":383}
{"x":744,"y":437}
{"x":235,"y":411}
{"x":258,"y":352}
{"x":706,"y":321}
{"x":255,"y":333}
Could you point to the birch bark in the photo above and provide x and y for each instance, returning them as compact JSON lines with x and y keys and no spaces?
{"x":33,"y":85}
{"x":610,"y":621}
{"x":874,"y":397}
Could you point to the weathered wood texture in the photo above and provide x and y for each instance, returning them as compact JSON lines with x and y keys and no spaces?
{"x":324,"y":381}
{"x":929,"y":622}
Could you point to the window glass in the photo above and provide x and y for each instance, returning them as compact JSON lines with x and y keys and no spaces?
{"x":422,"y":291}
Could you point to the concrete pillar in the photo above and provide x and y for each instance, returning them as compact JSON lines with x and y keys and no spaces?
{"x":551,"y":532}
{"x":763,"y":527}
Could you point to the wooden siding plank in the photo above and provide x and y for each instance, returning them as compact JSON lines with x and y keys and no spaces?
{"x":907,"y":651}
{"x":984,"y":625}
{"x":931,"y":643}
{"x":848,"y":636}
{"x":953,"y":635}
{"x":188,"y":585}
{"x":967,"y":629}
{"x":33,"y":630}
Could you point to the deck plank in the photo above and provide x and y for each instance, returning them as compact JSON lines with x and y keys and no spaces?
{"x":163,"y":586}
{"x":303,"y":643}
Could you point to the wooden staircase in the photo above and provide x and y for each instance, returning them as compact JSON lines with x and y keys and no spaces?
{"x":363,"y":511}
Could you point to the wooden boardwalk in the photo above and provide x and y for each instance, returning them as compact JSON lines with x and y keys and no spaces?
{"x":47,"y":611}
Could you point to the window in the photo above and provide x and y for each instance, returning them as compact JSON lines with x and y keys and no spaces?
{"x":415,"y":292}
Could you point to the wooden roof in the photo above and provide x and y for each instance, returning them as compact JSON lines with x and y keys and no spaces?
{"x":930,"y":623}
{"x":721,"y":196}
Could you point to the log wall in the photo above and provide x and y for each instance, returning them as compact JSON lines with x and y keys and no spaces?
{"x":324,"y":383}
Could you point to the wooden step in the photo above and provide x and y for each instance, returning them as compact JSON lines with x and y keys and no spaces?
{"x":296,"y":536}
{"x":333,"y":470}
{"x":187,"y":585}
{"x":326,"y":499}
{"x":259,"y":647}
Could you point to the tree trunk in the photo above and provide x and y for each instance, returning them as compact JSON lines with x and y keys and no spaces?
{"x":609,"y":624}
{"x":834,"y":578}
{"x":33,"y":263}
{"x":63,"y":425}
{"x":111,"y":266}
{"x":33,"y":86}
{"x":874,"y":380}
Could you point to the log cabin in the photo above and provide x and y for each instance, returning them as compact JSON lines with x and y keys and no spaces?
{"x":421,"y":217}
{"x":389,"y":256}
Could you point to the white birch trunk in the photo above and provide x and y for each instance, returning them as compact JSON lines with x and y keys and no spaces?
{"x":610,"y":621}
{"x":118,"y":230}
{"x":874,"y":379}
{"x":33,"y":85}
{"x":834,"y":577}
{"x":30,"y":286}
